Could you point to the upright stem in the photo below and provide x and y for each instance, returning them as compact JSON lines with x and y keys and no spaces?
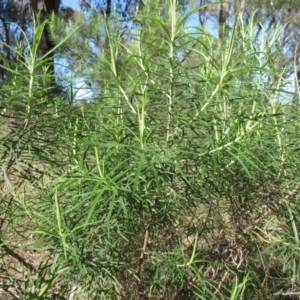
{"x":173,"y":13}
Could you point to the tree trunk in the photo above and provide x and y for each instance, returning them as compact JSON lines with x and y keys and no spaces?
{"x":42,"y":10}
{"x":223,"y":19}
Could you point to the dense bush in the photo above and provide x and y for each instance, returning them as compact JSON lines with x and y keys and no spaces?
{"x":178,"y":180}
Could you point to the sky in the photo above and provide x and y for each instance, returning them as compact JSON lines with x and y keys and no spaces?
{"x":79,"y":87}
{"x":70,"y":3}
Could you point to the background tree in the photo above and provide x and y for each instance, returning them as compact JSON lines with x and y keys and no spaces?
{"x":42,"y":10}
{"x":12,"y":13}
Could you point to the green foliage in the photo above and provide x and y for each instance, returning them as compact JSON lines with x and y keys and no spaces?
{"x":179,"y":182}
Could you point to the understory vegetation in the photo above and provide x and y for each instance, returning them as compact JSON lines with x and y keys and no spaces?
{"x":177,"y":178}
